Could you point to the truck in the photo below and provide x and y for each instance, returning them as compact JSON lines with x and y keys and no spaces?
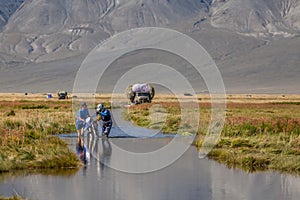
{"x":140,"y":93}
{"x":62,"y":94}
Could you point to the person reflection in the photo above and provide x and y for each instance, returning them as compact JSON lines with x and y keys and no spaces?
{"x":106,"y":153}
{"x":103,"y":156}
{"x":100,"y":154}
{"x":81,"y":150}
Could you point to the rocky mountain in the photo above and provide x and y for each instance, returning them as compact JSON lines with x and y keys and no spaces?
{"x":7,"y":8}
{"x":60,"y":28}
{"x":43,"y":30}
{"x":258,"y":17}
{"x":251,"y":39}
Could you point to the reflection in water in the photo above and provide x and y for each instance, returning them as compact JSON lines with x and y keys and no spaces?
{"x":236,"y":184}
{"x":101,"y":155}
{"x":106,"y":152}
{"x":81,"y":150}
{"x":188,"y":178}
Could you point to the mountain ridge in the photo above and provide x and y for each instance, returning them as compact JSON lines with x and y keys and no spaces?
{"x":8,"y":8}
{"x":58,"y":27}
{"x":251,"y":41}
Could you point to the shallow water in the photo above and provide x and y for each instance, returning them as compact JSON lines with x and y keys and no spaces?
{"x":188,"y":178}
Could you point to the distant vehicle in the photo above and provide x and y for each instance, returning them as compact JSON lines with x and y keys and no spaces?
{"x":188,"y":94}
{"x":140,"y":93}
{"x":143,"y":97}
{"x":62,"y":95}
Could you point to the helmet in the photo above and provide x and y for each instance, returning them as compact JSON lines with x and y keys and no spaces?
{"x":100,"y":107}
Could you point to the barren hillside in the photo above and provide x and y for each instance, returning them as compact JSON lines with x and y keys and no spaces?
{"x":252,"y":41}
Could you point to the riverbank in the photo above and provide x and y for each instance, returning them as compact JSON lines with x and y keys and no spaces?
{"x":260,"y":132}
{"x":27,"y":125}
{"x":26,"y":129}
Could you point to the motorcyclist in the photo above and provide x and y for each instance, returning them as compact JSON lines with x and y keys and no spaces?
{"x":104,"y":115}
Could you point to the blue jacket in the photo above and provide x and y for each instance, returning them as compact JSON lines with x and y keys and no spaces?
{"x":104,"y":116}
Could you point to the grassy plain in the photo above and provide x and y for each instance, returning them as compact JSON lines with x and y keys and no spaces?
{"x":261,"y":132}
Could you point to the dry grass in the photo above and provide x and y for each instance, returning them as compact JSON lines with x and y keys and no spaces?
{"x":27,"y":123}
{"x":12,"y":198}
{"x":25,"y":135}
{"x":257,"y":135}
{"x":261,"y":131}
{"x":236,"y":98}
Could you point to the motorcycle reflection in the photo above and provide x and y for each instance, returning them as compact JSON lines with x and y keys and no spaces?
{"x":106,"y":152}
{"x":101,"y":151}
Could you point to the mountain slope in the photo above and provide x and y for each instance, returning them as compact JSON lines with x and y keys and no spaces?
{"x":252,"y":41}
{"x":258,"y":17}
{"x":44,"y":29}
{"x":7,"y":8}
{"x":139,"y":13}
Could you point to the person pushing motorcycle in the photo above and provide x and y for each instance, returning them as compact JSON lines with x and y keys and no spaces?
{"x":104,"y":115}
{"x":83,"y":113}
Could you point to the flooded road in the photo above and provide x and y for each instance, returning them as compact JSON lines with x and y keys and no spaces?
{"x":189,"y":178}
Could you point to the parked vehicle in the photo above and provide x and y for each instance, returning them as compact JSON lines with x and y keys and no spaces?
{"x":143,"y":97}
{"x":62,"y":95}
{"x":140,"y":93}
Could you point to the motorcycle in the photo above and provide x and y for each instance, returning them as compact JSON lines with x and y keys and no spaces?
{"x":91,"y":127}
